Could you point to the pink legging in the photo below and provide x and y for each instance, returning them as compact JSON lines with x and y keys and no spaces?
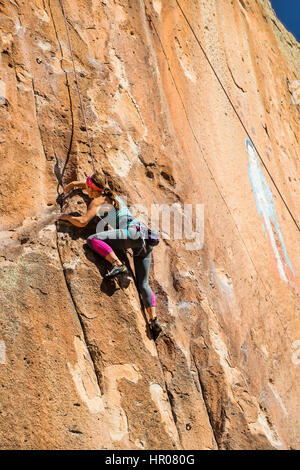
{"x":101,"y":247}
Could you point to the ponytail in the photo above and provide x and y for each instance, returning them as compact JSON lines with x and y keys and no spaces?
{"x":113,"y":196}
{"x":98,"y":180}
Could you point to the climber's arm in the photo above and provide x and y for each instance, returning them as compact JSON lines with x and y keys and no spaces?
{"x":75,"y":184}
{"x":83,"y":220}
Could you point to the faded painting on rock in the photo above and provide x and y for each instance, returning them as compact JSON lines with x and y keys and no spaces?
{"x":267,"y":213}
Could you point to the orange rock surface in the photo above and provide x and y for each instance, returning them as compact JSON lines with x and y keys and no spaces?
{"x":171,"y":90}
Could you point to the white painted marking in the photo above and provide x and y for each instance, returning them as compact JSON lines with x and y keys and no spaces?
{"x":2,"y":353}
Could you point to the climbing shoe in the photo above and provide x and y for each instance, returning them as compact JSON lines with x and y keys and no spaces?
{"x":155,"y":328}
{"x":115,"y":271}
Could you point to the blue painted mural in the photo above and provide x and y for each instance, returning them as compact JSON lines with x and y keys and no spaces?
{"x":267,"y":213}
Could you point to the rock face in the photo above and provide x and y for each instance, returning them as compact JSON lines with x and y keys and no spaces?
{"x":168,"y":125}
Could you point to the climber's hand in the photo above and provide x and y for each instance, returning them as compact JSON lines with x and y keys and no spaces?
{"x":63,"y":217}
{"x":68,"y":188}
{"x":80,"y":221}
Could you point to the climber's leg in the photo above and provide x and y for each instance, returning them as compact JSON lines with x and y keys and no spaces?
{"x":113,"y":238}
{"x":142,"y":266}
{"x":151,"y":310}
{"x":104,"y":243}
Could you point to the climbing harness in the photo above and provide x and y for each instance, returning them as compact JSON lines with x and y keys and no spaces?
{"x":148,"y":236}
{"x":77,"y":84}
{"x":237,"y":114}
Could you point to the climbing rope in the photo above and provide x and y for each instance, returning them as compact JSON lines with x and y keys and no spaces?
{"x":218,"y":79}
{"x":202,"y":153}
{"x":77,"y":84}
{"x":237,"y":114}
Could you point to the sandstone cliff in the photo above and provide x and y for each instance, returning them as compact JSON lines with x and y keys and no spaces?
{"x":78,"y":368}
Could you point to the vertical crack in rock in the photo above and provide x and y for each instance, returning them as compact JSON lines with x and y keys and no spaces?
{"x":207,"y":407}
{"x":69,"y":150}
{"x":234,"y":80}
{"x":172,"y":405}
{"x":170,"y":399}
{"x":78,"y":314}
{"x":36,"y":117}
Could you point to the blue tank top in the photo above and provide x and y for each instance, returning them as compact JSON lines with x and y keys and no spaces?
{"x":121,"y":218}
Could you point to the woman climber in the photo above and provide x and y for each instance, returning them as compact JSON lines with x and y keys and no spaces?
{"x":124,"y":232}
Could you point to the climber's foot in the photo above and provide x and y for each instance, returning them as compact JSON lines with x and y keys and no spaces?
{"x":115,"y":271}
{"x":155,"y":328}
